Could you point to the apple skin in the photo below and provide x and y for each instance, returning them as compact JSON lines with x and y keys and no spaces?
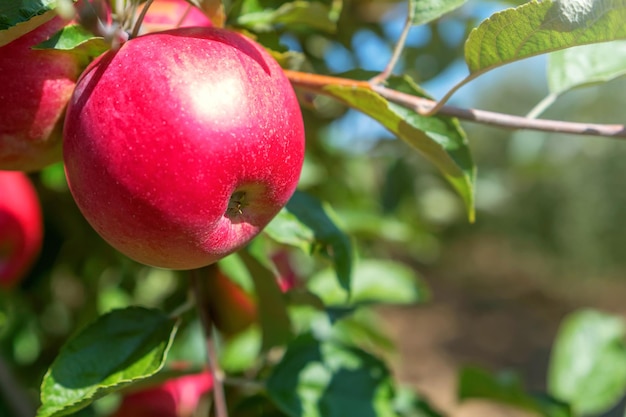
{"x":231,"y":308}
{"x":182,"y":145}
{"x":178,"y":397}
{"x":169,"y":14}
{"x":36,"y":86}
{"x":21,"y":228}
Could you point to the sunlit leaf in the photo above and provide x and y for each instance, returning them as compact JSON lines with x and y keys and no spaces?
{"x":424,"y":11}
{"x":316,"y":379}
{"x":584,"y":65}
{"x":118,"y":348}
{"x":588,"y":363}
{"x":373,"y":281}
{"x":440,"y":139}
{"x":309,"y":224}
{"x":76,"y":39}
{"x":538,"y":27}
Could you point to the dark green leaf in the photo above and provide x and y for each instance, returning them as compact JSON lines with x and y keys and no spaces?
{"x":538,"y":27}
{"x":78,"y":40}
{"x":18,"y":17}
{"x":588,"y":363}
{"x":424,"y":11}
{"x":440,"y":139}
{"x":308,"y":224}
{"x":118,"y":348}
{"x":317,"y":379}
{"x":272,"y":307}
{"x":373,"y":281}
{"x":506,"y":388}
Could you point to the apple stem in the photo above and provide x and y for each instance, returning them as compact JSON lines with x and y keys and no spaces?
{"x":140,"y":18}
{"x":198,"y":277}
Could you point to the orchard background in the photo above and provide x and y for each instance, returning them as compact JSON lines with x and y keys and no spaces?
{"x":426,"y":266}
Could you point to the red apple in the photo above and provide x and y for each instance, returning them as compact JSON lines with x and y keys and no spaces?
{"x":182,"y":145}
{"x":21,"y":227}
{"x":231,"y":308}
{"x":36,"y":86}
{"x":170,"y":14}
{"x":177,"y":397}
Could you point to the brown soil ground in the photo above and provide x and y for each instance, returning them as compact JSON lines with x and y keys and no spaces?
{"x":495,"y":307}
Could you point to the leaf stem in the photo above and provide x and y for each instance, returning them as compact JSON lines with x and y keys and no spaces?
{"x":397,"y":51}
{"x":140,"y":18}
{"x":198,"y":276}
{"x":317,"y":83}
{"x":540,"y":107}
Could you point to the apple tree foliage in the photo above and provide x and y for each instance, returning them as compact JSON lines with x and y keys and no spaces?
{"x":89,"y":325}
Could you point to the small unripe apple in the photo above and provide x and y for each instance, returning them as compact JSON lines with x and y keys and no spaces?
{"x":21,"y":227}
{"x":170,"y":14}
{"x":36,"y":86}
{"x":178,"y":397}
{"x":182,"y":145}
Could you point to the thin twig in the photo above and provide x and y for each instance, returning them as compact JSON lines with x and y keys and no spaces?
{"x":397,"y":51}
{"x":197,"y":277}
{"x":316,"y":83}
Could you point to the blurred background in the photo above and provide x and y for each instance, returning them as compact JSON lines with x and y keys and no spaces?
{"x":549,"y":236}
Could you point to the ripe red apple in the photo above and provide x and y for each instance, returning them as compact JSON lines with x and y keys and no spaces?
{"x":170,"y":14}
{"x":231,"y":308}
{"x":177,"y":397}
{"x":182,"y":145}
{"x":21,"y":227}
{"x":36,"y":86}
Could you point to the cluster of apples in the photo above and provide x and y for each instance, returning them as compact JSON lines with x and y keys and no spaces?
{"x":179,"y":146}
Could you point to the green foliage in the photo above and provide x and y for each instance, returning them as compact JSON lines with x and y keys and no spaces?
{"x":24,"y":15}
{"x":421,"y":12}
{"x":588,"y":365}
{"x":373,"y":282}
{"x":317,"y":379}
{"x":119,"y":348}
{"x":539,"y":27}
{"x":507,"y":388}
{"x":318,"y":348}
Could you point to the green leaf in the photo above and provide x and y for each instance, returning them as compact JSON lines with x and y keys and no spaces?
{"x":18,"y":17}
{"x":272,"y":306}
{"x":538,"y":27}
{"x":373,"y":281}
{"x":317,"y":379}
{"x":242,"y":351}
{"x":308,"y":224}
{"x":285,"y":228}
{"x":310,"y":13}
{"x":117,"y":349}
{"x":585,"y":65}
{"x":506,"y":388}
{"x":424,"y":11}
{"x":440,"y":139}
{"x":78,"y":40}
{"x":588,"y":363}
